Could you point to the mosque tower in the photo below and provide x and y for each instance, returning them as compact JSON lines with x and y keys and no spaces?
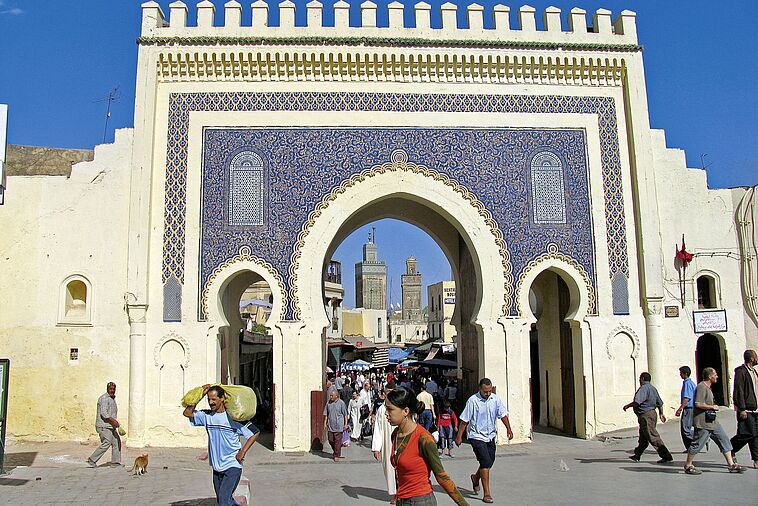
{"x":371,"y":277}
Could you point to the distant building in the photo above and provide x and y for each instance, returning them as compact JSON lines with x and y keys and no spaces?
{"x":255,"y":304}
{"x":411,"y":287}
{"x":441,"y":299}
{"x":368,"y":323}
{"x":371,"y":278}
{"x":407,"y":331}
{"x":334,"y":293}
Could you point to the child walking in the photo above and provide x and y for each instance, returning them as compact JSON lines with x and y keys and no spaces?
{"x":447,"y":423}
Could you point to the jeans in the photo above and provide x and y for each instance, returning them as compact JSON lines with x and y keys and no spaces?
{"x":426,"y":419}
{"x":702,"y":436}
{"x":685,"y":426}
{"x":224,"y":483}
{"x":446,"y":437}
{"x":108,"y":437}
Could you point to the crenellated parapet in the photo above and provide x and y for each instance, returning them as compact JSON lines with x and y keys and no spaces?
{"x":223,"y":26}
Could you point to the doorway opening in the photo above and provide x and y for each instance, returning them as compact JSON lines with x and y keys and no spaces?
{"x":711,"y":353}
{"x":246,"y":344}
{"x":552,"y":353}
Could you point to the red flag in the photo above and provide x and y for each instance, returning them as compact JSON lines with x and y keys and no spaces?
{"x":683,"y":255}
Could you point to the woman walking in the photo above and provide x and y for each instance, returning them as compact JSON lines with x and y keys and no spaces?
{"x":414,"y":453}
{"x":355,"y":416}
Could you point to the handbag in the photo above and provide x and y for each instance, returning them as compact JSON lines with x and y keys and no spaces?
{"x":710,"y":415}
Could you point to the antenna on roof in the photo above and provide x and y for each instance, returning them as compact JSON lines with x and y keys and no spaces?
{"x":111,"y":97}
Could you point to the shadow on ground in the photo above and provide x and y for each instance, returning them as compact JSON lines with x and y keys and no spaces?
{"x":207,"y":501}
{"x":11,"y":482}
{"x":18,"y":459}
{"x":358,"y":492}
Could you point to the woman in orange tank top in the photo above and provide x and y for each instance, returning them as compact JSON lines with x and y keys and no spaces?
{"x":414,"y":453}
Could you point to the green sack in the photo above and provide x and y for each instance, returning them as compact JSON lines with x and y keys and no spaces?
{"x":240,"y":401}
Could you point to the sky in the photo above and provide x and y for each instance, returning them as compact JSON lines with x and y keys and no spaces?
{"x":60,"y":59}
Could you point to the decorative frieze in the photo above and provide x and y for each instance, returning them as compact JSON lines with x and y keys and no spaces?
{"x":373,"y":65}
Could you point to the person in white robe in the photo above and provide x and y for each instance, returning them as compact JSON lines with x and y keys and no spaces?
{"x":381,"y":445}
{"x":355,"y":415}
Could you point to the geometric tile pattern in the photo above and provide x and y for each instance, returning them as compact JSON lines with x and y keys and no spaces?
{"x":308,"y":164}
{"x":246,"y":190}
{"x":172,"y":300}
{"x":548,"y":197}
{"x":620,"y":294}
{"x":604,"y":109}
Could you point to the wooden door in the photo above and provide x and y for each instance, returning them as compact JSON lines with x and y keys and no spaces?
{"x":567,"y":362}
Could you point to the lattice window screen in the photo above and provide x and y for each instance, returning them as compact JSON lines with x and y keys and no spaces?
{"x":246,"y":190}
{"x":548,"y":190}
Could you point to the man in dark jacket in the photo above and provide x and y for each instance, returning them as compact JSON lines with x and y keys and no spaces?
{"x":746,"y":406}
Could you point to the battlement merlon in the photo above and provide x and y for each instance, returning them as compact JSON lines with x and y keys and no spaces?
{"x":603,"y":31}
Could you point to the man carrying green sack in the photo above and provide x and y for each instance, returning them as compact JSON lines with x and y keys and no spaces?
{"x":225,"y":451}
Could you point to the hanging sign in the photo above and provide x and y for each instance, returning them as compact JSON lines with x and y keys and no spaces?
{"x":713,"y":320}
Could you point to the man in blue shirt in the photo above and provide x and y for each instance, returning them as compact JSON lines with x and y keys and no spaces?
{"x":225,"y":452}
{"x":480,"y":416}
{"x":687,"y":401}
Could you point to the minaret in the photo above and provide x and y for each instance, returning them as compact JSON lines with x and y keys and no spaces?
{"x":411,"y":287}
{"x":371,"y":277}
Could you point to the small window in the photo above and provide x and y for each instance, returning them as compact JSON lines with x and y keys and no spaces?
{"x":547,"y":189}
{"x":75,"y":306}
{"x":706,"y":292}
{"x":246,"y":190}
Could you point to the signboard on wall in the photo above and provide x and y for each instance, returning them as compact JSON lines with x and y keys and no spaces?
{"x":672,"y":311}
{"x":713,"y":320}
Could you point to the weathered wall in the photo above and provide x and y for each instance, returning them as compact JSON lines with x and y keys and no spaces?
{"x":55,"y":227}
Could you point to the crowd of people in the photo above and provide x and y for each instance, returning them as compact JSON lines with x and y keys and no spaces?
{"x":413,"y":421}
{"x":698,"y":414}
{"x":410,"y":431}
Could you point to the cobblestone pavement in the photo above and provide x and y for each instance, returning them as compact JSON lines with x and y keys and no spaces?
{"x":554,"y":469}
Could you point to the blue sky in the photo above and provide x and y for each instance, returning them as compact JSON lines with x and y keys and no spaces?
{"x":61,"y":58}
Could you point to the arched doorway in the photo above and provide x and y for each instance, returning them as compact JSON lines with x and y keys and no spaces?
{"x":557,"y":382}
{"x":242,"y":299}
{"x":711,"y":353}
{"x":457,"y":223}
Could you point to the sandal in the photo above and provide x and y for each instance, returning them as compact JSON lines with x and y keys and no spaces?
{"x":736,"y":468}
{"x":488,"y":499}
{"x":692,"y":470}
{"x":475,"y":484}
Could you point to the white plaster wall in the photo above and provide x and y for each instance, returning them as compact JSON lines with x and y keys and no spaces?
{"x":687,"y":206}
{"x":54,"y":227}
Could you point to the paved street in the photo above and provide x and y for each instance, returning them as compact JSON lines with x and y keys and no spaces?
{"x":598,"y":472}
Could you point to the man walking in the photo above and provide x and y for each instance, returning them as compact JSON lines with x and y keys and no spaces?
{"x":687,"y":404}
{"x":427,"y":417}
{"x":225,"y":452}
{"x":706,"y":426}
{"x":381,"y":444}
{"x":746,"y":405}
{"x":106,"y":425}
{"x":335,"y":422}
{"x":645,"y":402}
{"x":480,"y":416}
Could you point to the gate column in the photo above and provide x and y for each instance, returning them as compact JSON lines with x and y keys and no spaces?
{"x":515,"y":345}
